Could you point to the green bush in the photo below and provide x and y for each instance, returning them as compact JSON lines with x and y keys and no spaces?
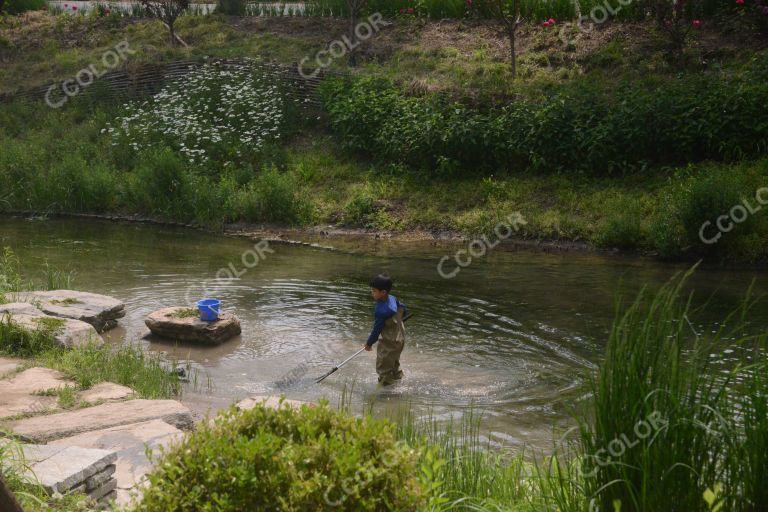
{"x":314,"y":458}
{"x":20,"y":6}
{"x":160,"y":184}
{"x":699,"y":195}
{"x":622,"y":229}
{"x":273,"y":196}
{"x":590,"y":127}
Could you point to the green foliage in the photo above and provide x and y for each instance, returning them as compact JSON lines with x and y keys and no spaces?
{"x":231,"y":7}
{"x":287,"y":459}
{"x":273,"y":196}
{"x":588,"y":127}
{"x":622,"y":227}
{"x":20,"y":6}
{"x":698,"y":196}
{"x":662,"y":426}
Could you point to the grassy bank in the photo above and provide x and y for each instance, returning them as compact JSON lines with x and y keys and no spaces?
{"x":62,"y":162}
{"x":605,"y":142}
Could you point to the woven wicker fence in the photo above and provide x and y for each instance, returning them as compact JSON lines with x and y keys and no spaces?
{"x":149,"y":79}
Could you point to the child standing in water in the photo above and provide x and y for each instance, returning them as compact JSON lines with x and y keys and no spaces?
{"x":388,"y":330}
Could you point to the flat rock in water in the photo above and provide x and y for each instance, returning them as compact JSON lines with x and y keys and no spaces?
{"x":101,"y":311}
{"x":171,"y":323}
{"x":17,"y":393}
{"x":129,"y":442}
{"x":106,"y":391}
{"x":55,"y":426}
{"x":19,"y":308}
{"x":66,"y":332}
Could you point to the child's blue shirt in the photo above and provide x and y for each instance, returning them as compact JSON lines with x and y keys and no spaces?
{"x":382,"y":311}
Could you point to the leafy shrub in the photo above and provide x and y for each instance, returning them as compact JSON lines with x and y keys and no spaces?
{"x":587,"y":127}
{"x":700,"y":195}
{"x":622,"y":229}
{"x":160,"y":184}
{"x":272,"y":196}
{"x":20,"y":6}
{"x":289,"y":460}
{"x":359,"y":209}
{"x":231,"y":7}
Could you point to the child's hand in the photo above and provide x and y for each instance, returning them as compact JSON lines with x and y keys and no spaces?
{"x":367,"y":347}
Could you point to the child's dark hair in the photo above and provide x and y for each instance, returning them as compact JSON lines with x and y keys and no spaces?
{"x":382,"y":282}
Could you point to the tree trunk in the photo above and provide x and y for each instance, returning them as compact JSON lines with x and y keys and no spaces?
{"x":352,"y":39}
{"x":173,"y":34}
{"x":8,"y":501}
{"x":513,"y":50}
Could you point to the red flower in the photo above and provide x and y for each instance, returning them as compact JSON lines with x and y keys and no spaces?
{"x":74,"y":7}
{"x":410,"y":10}
{"x":469,"y":3}
{"x":739,"y":2}
{"x":696,"y":23}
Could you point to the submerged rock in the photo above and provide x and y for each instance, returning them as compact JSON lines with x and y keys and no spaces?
{"x":183,"y":324}
{"x":101,"y":311}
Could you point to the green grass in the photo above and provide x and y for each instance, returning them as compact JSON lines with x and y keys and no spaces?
{"x":185,"y":313}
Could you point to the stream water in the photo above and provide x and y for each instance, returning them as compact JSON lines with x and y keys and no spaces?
{"x":512,"y":336}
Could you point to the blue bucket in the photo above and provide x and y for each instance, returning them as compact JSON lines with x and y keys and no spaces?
{"x":209,"y":309}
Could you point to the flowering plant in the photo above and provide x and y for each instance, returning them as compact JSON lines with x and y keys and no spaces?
{"x":218,"y":111}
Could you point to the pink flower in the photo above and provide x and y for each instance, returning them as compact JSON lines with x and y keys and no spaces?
{"x":696,"y":23}
{"x":739,"y":2}
{"x":410,"y":10}
{"x":469,"y":3}
{"x":74,"y":7}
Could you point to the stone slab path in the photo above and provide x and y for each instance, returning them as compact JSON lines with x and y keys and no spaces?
{"x":99,"y":449}
{"x":66,"y":468}
{"x":128,"y":441}
{"x":42,"y":429}
{"x":17,"y":392}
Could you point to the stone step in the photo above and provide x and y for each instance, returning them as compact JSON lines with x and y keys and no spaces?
{"x":17,"y":393}
{"x":55,"y":426}
{"x":65,"y":468}
{"x":129,"y":442}
{"x":9,"y":365}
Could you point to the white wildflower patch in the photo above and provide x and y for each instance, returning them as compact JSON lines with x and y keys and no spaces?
{"x":215,"y":112}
